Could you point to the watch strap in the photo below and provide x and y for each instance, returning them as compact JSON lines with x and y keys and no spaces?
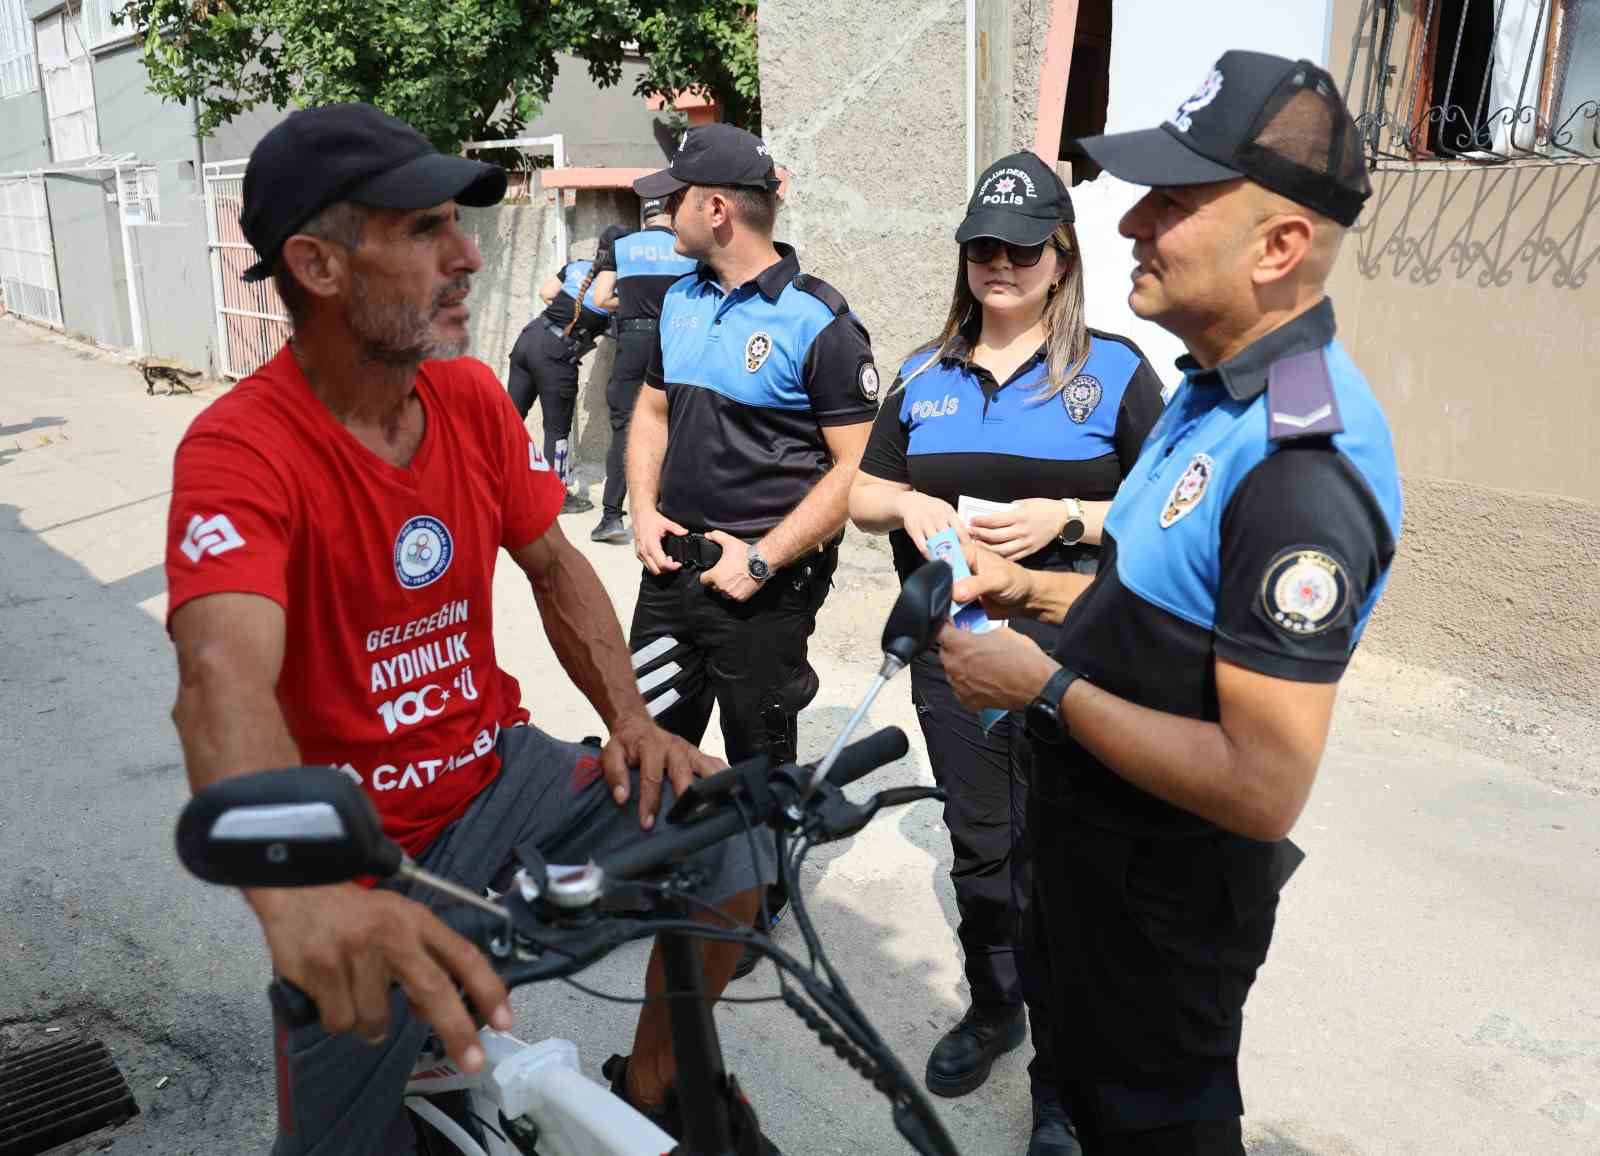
{"x":1048,"y":702}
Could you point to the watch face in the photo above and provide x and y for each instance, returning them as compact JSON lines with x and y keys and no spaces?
{"x":1073,"y":531}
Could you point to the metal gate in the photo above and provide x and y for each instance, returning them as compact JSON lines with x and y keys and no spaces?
{"x":27,"y":258}
{"x":252,"y":323}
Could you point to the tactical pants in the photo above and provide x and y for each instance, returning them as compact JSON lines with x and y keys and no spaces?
{"x":986,"y":779}
{"x":622,"y":392}
{"x":544,"y":366}
{"x":749,"y":658}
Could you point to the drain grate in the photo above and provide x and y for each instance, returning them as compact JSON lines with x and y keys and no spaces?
{"x":57,"y":1093}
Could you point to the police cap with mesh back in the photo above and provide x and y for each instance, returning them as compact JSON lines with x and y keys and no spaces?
{"x":1280,"y":123}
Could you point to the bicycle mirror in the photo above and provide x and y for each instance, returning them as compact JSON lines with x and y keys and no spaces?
{"x":296,"y":827}
{"x":922,"y":607}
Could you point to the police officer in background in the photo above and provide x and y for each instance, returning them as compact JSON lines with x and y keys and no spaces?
{"x":1178,"y":725}
{"x":632,"y":282}
{"x":550,"y":350}
{"x":759,"y":398}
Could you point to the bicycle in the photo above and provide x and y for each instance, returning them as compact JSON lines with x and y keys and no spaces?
{"x":304,"y":826}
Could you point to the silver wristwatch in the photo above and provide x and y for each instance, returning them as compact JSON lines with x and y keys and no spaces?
{"x":755,"y":565}
{"x":1072,"y":533}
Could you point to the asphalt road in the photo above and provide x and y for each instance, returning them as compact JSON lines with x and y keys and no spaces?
{"x":1432,"y":988}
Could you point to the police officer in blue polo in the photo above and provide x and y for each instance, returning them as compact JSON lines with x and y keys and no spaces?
{"x":1016,"y":403}
{"x":1178,"y":723}
{"x":642,"y":266}
{"x":758,"y":400}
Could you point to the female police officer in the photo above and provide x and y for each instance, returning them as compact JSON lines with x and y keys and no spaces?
{"x":545,"y":359}
{"x":1015,"y":402}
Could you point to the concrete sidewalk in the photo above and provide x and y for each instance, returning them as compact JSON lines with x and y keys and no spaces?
{"x":1431,"y":989}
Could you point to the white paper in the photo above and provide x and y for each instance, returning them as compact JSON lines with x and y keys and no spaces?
{"x":968,"y":508}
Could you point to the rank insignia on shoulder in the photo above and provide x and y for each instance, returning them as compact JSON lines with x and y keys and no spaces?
{"x":756,"y":350}
{"x":1188,"y":489}
{"x":1304,"y":591}
{"x":1082,"y":397}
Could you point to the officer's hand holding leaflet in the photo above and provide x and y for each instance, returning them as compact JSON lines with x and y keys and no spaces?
{"x":923,"y":515}
{"x":1008,"y":590}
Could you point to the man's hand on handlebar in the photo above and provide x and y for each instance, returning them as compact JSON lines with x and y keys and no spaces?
{"x":344,"y":946}
{"x":636,"y":741}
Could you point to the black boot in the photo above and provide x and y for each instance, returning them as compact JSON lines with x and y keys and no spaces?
{"x":962,"y":1058}
{"x":1052,"y":1131}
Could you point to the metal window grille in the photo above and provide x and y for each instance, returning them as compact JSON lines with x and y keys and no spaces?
{"x":27,"y":258}
{"x":18,"y":73}
{"x":138,"y":192}
{"x":98,"y":26}
{"x":68,"y":85}
{"x":1477,"y":81}
{"x":252,"y":322}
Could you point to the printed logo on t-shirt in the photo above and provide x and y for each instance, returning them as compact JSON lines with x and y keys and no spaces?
{"x":944,"y":407}
{"x":209,"y":536}
{"x":422,"y":552}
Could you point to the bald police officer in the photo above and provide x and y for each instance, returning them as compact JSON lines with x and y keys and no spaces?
{"x":757,"y":404}
{"x":1178,"y":725}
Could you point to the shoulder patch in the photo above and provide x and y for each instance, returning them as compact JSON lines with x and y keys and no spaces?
{"x":823,"y":292}
{"x":1300,"y":398}
{"x":1304,"y":591}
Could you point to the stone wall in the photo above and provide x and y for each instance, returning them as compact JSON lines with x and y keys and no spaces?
{"x":518,"y":242}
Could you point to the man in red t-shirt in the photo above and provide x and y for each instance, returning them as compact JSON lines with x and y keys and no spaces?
{"x":334,"y":528}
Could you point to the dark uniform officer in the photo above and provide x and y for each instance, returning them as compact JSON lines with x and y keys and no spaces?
{"x":761,"y":394}
{"x":644,"y":265}
{"x":1178,"y":736}
{"x":1053,"y":441}
{"x":549,"y":350}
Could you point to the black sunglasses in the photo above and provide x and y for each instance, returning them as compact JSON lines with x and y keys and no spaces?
{"x":982,"y":250}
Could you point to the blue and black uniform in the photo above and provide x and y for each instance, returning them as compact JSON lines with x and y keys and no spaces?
{"x":545,"y":358}
{"x":1256,"y":528}
{"x":752,"y":377}
{"x":646,"y":265}
{"x":952,"y":430}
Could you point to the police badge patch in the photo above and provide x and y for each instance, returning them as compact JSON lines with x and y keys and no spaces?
{"x":867,"y":380}
{"x":1189,"y":489}
{"x":1304,"y":591}
{"x":1081,"y":397}
{"x":756,"y":350}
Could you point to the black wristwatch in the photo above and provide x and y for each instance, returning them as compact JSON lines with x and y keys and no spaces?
{"x":755,"y":565}
{"x":1044,"y":719}
{"x":1075,"y":527}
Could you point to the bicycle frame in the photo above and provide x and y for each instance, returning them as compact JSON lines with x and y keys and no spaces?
{"x":542,"y":1084}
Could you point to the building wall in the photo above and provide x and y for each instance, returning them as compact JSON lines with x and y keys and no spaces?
{"x":518,"y":243}
{"x":172,"y":264}
{"x":609,"y":127}
{"x":24,"y":135}
{"x":1468,"y":296}
{"x":132,"y":119}
{"x":88,"y":244}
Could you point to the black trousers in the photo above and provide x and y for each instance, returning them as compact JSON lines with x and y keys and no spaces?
{"x":749,"y":658}
{"x":986,"y":779}
{"x":544,"y":366}
{"x":1149,"y":946}
{"x":622,"y":392}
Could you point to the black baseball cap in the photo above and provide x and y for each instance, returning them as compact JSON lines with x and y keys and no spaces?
{"x":1019,"y":199}
{"x":713,"y":154}
{"x":1280,"y":123}
{"x":651,"y":207}
{"x":349,"y":152}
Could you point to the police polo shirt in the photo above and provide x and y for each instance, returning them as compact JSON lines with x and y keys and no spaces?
{"x":949,"y":429}
{"x":646,"y":264}
{"x":752,"y":377}
{"x":1257,"y":526}
{"x":593,"y":318}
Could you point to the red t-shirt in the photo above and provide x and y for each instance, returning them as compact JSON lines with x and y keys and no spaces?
{"x":385,"y":574}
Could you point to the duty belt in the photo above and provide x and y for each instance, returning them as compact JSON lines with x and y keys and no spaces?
{"x":697,"y":552}
{"x":636,"y":325}
{"x":692,"y":551}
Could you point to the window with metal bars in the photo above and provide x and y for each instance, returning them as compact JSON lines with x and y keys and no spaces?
{"x":1477,"y":81}
{"x":18,"y":71}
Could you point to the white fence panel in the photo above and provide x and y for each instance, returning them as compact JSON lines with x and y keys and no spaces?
{"x":252,"y":323}
{"x":27,"y":258}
